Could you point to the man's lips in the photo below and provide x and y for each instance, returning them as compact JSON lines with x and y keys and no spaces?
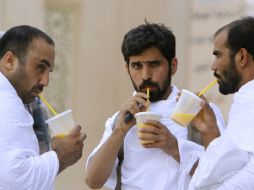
{"x":218,"y":78}
{"x":151,"y":88}
{"x":36,"y":92}
{"x":144,"y":90}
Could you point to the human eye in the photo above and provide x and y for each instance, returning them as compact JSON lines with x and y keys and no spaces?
{"x":136,"y":66}
{"x":217,"y":54}
{"x":155,"y":63}
{"x":41,"y":67}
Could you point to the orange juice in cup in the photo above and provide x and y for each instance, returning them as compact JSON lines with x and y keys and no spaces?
{"x":187,"y":107}
{"x":142,"y":117}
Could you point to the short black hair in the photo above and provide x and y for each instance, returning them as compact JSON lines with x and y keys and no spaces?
{"x":146,"y":36}
{"x":240,"y":35}
{"x":18,"y":39}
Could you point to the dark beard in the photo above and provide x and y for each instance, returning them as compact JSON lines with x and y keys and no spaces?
{"x":232,"y":79}
{"x":157,"y":94}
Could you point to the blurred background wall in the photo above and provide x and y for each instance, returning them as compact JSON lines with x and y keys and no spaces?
{"x":89,"y":75}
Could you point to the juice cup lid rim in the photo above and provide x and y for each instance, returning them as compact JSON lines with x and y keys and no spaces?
{"x":192,"y":94}
{"x":58,"y":115}
{"x":147,"y":113}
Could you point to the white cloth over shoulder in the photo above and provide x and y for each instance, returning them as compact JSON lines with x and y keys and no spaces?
{"x":153,"y":169}
{"x":1,"y":34}
{"x":222,"y":160}
{"x":185,"y":178}
{"x":228,"y":161}
{"x":21,"y":166}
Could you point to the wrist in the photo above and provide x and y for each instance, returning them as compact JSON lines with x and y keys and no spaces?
{"x":175,"y":154}
{"x":62,"y":164}
{"x":212,"y":132}
{"x":173,"y":150}
{"x":210,"y":136}
{"x":120,"y":131}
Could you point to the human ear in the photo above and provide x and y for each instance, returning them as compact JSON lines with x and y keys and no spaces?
{"x":127,"y":68}
{"x":241,"y":57}
{"x":174,"y":64}
{"x":10,"y":61}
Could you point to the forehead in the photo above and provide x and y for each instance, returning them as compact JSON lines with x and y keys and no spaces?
{"x":152,"y":53}
{"x":40,"y":50}
{"x":40,"y":44}
{"x":220,"y":40}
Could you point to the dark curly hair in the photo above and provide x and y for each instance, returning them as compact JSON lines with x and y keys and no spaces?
{"x":149,"y":35}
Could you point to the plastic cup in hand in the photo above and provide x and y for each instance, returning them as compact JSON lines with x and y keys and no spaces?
{"x":61,"y":124}
{"x":142,"y":117}
{"x":187,"y":107}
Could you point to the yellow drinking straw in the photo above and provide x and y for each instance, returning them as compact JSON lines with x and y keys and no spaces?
{"x":207,"y":88}
{"x":47,"y":104}
{"x":148,"y":101}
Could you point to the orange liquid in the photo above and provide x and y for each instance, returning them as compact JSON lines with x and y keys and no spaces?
{"x":60,"y":135}
{"x":182,"y":118}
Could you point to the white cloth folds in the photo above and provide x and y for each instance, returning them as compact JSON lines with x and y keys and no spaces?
{"x":228,"y":162}
{"x":21,"y":166}
{"x":153,"y":169}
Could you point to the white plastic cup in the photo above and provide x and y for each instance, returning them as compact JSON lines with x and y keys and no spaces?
{"x":187,"y":107}
{"x":61,"y":124}
{"x":142,"y":117}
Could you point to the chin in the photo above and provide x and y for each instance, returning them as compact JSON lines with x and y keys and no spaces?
{"x":28,"y":100}
{"x":226,"y":91}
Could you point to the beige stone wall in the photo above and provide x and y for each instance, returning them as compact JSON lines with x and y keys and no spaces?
{"x":208,"y":16}
{"x":90,"y":76}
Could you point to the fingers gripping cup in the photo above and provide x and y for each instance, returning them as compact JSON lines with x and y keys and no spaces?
{"x":61,"y":124}
{"x":142,"y":117}
{"x":187,"y":108}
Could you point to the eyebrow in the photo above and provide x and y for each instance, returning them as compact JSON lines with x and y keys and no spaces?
{"x":135,"y":62}
{"x":154,"y":61}
{"x":216,"y":52}
{"x":47,"y":63}
{"x":149,"y":62}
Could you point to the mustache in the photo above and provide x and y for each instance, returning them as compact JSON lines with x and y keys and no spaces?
{"x":147,"y":83}
{"x":38,"y":88}
{"x":216,"y":75}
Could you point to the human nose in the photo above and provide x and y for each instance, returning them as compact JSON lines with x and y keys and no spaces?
{"x":214,"y":65}
{"x":146,"y":73}
{"x":44,"y":79}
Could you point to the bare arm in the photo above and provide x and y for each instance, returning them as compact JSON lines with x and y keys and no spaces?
{"x":101,"y":164}
{"x":99,"y":170}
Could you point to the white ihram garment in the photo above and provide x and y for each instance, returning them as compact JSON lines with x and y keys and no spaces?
{"x":153,"y":169}
{"x":21,"y":166}
{"x":228,"y":163}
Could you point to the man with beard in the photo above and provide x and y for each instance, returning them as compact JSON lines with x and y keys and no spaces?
{"x":26,"y":58}
{"x":39,"y":113}
{"x":230,"y":157}
{"x":149,"y":53}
